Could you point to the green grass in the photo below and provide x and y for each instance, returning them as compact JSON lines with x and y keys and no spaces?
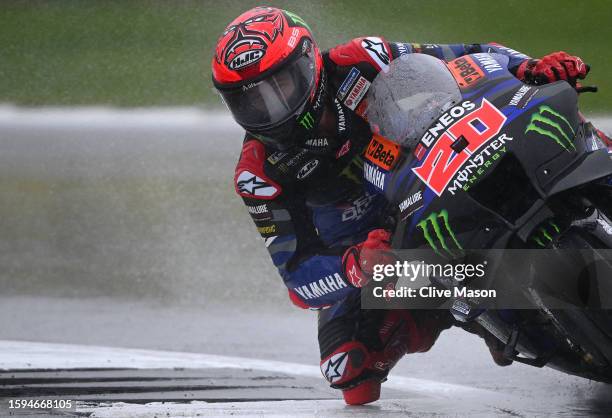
{"x":142,"y":53}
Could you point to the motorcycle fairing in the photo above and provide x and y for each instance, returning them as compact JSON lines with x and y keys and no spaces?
{"x":538,"y":151}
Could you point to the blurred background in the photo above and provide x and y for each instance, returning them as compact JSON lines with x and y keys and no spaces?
{"x":118,"y":209}
{"x":157,"y":53}
{"x":118,"y":220}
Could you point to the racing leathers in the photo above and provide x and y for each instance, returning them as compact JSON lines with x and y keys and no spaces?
{"x":310,"y":204}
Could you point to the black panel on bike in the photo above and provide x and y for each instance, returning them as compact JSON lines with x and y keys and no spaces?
{"x":507,"y":191}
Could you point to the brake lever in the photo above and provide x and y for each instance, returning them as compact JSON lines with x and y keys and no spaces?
{"x":585,"y":89}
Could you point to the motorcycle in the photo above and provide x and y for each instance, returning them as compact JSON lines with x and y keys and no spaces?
{"x":471,"y":158}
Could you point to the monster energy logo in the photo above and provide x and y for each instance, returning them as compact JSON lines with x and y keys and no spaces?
{"x":296,"y":19}
{"x":554,"y":125}
{"x":444,"y":236}
{"x":543,"y":235}
{"x":307,"y":121}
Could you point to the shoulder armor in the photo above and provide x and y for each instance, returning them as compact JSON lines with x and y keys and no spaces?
{"x":372,"y":49}
{"x":250,"y":179}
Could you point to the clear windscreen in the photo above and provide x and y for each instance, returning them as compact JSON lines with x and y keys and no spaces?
{"x":404,"y":101}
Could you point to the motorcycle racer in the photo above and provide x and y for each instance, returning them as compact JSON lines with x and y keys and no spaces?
{"x":300,"y":176}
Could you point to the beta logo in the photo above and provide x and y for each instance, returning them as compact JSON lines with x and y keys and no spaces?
{"x":455,"y":146}
{"x":382,"y":152}
{"x":465,"y":71}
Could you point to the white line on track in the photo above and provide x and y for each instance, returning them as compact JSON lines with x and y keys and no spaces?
{"x":35,"y":355}
{"x":96,"y":117}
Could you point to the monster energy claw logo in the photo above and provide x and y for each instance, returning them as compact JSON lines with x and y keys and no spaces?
{"x":444,"y":236}
{"x":307,"y":121}
{"x":296,"y":19}
{"x":552,"y":124}
{"x":545,"y":233}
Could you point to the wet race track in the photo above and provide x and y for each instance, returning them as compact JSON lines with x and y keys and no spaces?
{"x":134,"y":284}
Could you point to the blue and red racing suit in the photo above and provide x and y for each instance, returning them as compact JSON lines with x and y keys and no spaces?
{"x":309,"y":204}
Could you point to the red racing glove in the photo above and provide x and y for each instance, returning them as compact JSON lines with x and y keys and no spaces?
{"x":359,"y":260}
{"x":553,"y":67}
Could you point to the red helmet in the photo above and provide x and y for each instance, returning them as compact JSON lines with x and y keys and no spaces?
{"x":269,"y":72}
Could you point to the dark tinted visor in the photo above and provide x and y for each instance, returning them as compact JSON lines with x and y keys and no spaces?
{"x":272,"y":100}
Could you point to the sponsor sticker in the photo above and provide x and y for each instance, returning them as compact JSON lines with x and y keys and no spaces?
{"x":465,"y":71}
{"x":378,"y":51}
{"x":358,"y":208}
{"x":510,"y":51}
{"x":293,"y":38}
{"x":268,"y":229}
{"x":260,"y":212}
{"x":348,"y":82}
{"x":276,"y":157}
{"x":344,"y":149}
{"x":341,"y":119}
{"x":488,"y":63}
{"x":357,"y":92}
{"x":374,"y":175}
{"x":317,"y":142}
{"x":479,"y":164}
{"x":403,"y":49}
{"x":333,"y":368}
{"x":472,"y":131}
{"x":553,"y":125}
{"x":246,"y":58}
{"x":306,"y":120}
{"x":307,"y":169}
{"x":523,"y":96}
{"x":411,"y":204}
{"x":321,"y":287}
{"x":382,"y":152}
{"x":251,"y":185}
{"x":444,"y":121}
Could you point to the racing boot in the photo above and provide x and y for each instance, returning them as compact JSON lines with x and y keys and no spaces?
{"x":359,"y":367}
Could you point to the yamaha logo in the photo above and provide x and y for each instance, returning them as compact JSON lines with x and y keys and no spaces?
{"x":246,"y":58}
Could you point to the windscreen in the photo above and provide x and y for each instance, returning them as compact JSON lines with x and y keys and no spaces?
{"x":404,"y":101}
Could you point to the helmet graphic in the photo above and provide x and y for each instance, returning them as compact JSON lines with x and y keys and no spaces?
{"x":269,"y":72}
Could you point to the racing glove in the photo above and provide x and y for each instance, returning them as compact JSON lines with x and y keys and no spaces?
{"x":359,"y":260}
{"x":552,"y":67}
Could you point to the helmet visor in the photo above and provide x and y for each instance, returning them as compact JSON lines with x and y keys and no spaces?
{"x":267,"y":102}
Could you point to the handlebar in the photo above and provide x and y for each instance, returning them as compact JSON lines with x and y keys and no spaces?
{"x":586,"y":89}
